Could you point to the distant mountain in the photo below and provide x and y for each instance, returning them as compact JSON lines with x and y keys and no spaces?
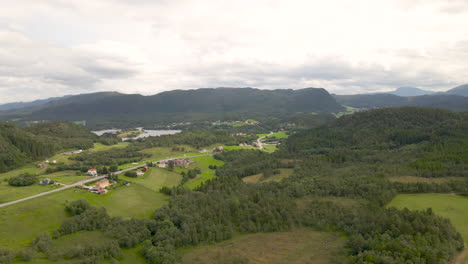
{"x":459,"y":90}
{"x":17,"y":105}
{"x":410,"y":91}
{"x":181,"y":105}
{"x":450,"y":102}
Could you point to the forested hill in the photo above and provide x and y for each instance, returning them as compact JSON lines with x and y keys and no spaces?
{"x":213,"y":103}
{"x":426,"y":141}
{"x":452,"y":102}
{"x":206,"y":102}
{"x":19,"y":146}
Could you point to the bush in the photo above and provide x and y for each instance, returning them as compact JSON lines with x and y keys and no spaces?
{"x":42,"y":243}
{"x":6,"y":256}
{"x":131,"y":174}
{"x":26,"y":254}
{"x":25,"y":179}
{"x":77,"y":207}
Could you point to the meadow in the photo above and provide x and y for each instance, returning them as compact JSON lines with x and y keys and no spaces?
{"x":453,"y":207}
{"x":203,"y":164}
{"x":301,"y":246}
{"x":258,"y":178}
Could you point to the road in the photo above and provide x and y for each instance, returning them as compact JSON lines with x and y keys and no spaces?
{"x":259,"y":141}
{"x":87,"y":181}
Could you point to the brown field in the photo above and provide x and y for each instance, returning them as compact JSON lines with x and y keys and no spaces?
{"x":284,"y":173}
{"x":415,"y":179}
{"x":302,"y":246}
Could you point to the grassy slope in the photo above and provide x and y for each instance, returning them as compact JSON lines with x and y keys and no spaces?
{"x":21,"y":222}
{"x":284,"y":173}
{"x":451,"y":206}
{"x":202,"y":163}
{"x":300,"y":246}
{"x":156,"y":178}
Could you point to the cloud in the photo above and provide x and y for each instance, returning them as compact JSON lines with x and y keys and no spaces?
{"x":57,"y":47}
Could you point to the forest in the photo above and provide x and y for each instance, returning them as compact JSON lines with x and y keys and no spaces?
{"x":348,"y":159}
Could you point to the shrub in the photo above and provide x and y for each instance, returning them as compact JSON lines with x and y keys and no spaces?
{"x":25,"y":179}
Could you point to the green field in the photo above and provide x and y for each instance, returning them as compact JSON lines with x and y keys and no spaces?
{"x":10,"y":193}
{"x":207,"y":174}
{"x":302,"y":246}
{"x":101,"y":147}
{"x":155,"y":179}
{"x":284,"y":173}
{"x":454,"y":207}
{"x":278,"y":135}
{"x":20,"y":223}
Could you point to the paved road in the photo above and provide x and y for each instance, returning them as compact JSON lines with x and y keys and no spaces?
{"x":87,"y":181}
{"x":259,"y":141}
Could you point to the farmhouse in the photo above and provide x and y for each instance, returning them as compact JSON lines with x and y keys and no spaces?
{"x":103,"y":183}
{"x":140,"y":173}
{"x":41,"y":165}
{"x":92,"y":172}
{"x":162,"y":163}
{"x":218,"y":149}
{"x":46,"y":181}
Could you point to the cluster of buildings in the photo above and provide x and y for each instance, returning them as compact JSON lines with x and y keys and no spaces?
{"x":175,"y":162}
{"x":99,"y":187}
{"x":43,"y":165}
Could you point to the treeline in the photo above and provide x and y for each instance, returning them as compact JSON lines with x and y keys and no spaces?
{"x":110,"y":157}
{"x":379,"y":235}
{"x":197,"y":139}
{"x":427,"y":142}
{"x":243,"y":163}
{"x":19,"y":146}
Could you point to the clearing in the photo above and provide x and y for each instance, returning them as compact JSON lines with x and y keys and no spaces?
{"x":300,"y":246}
{"x":454,"y":207}
{"x":259,"y":178}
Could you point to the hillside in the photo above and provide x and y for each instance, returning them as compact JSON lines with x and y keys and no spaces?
{"x":182,"y":105}
{"x":19,"y":146}
{"x":444,"y":101}
{"x":459,"y":90}
{"x":410,"y":91}
{"x":17,"y":105}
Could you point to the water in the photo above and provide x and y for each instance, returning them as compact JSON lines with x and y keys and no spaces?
{"x":102,"y":132}
{"x":146,"y":133}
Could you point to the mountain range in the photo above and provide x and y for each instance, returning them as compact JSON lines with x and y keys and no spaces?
{"x":220,"y":103}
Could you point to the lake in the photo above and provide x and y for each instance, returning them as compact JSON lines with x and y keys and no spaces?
{"x":146,"y":133}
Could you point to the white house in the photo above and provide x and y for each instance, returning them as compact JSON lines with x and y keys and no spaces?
{"x":92,"y":172}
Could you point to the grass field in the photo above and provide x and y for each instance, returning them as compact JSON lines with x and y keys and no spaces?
{"x":202,"y":163}
{"x":25,"y":169}
{"x":454,"y":207}
{"x":415,"y":179}
{"x":237,"y":147}
{"x":10,"y":193}
{"x":22,"y":222}
{"x":156,"y":178}
{"x":101,"y":147}
{"x":278,"y":135}
{"x":302,"y":246}
{"x":257,"y":178}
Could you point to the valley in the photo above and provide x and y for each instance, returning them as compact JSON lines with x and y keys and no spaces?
{"x":250,"y":193}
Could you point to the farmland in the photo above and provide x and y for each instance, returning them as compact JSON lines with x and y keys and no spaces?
{"x":454,"y":207}
{"x":300,"y":246}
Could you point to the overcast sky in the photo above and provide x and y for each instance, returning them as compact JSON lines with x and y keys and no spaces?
{"x":57,"y":47}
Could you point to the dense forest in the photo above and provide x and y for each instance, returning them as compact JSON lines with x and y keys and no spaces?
{"x":113,"y":109}
{"x":19,"y":146}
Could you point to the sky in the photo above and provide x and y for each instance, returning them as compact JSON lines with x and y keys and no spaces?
{"x":53,"y":48}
